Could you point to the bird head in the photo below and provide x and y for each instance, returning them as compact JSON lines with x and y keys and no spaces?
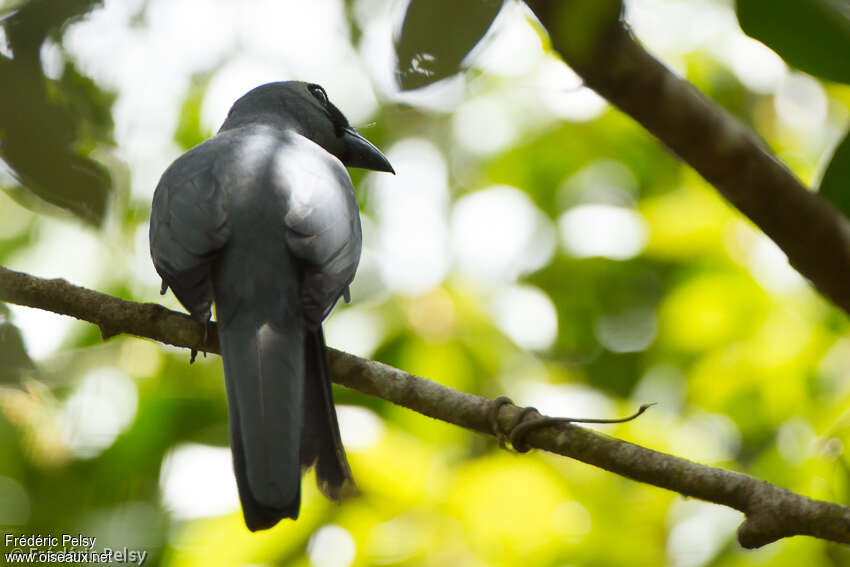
{"x":305,"y":108}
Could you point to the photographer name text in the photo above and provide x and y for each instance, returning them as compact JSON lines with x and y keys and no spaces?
{"x":33,"y":549}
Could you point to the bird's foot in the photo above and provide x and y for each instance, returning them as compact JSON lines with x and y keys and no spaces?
{"x":203,"y":319}
{"x":163,"y":288}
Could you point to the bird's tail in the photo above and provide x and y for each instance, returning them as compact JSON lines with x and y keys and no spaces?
{"x":320,"y":441}
{"x":264,"y":373}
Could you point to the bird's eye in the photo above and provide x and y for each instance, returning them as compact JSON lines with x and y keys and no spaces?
{"x":319,"y":93}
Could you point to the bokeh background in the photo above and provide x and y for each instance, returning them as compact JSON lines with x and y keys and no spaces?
{"x":535,"y":243}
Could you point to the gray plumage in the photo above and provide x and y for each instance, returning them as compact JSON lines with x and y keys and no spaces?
{"x":262,"y":220}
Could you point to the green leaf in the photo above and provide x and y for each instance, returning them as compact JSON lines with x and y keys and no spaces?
{"x":437,"y":35}
{"x":48,"y":128}
{"x":13,"y":354}
{"x":835,"y":186}
{"x":812,"y":35}
{"x":189,"y":131}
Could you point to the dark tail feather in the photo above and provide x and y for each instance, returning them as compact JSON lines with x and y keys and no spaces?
{"x":257,"y":516}
{"x":320,"y":442}
{"x":264,"y":377}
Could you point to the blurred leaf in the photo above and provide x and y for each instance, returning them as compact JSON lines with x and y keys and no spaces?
{"x":189,"y":131}
{"x":835,"y":186}
{"x":436,"y":35}
{"x":490,"y":494}
{"x":540,"y":166}
{"x":90,"y":106}
{"x":48,"y":128}
{"x":710,"y":309}
{"x":812,"y":35}
{"x":686,"y":223}
{"x":28,"y":26}
{"x":722,"y":86}
{"x":14,"y":360}
{"x":581,"y":25}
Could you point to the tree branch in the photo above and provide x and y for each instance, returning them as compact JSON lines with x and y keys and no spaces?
{"x":816,"y":238}
{"x":771,"y":512}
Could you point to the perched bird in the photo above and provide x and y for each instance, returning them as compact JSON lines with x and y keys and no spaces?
{"x":262,"y":220}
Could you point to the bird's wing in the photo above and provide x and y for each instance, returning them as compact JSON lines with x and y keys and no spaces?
{"x":322,"y":222}
{"x":189,"y":225}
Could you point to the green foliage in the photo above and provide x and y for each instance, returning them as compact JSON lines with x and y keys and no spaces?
{"x":835,"y":185}
{"x":437,"y":35}
{"x":16,"y":361}
{"x":48,"y":128}
{"x":812,"y":35}
{"x":582,"y":25}
{"x":189,"y":131}
{"x":749,"y":366}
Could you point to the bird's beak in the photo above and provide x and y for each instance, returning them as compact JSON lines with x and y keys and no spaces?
{"x":359,"y":152}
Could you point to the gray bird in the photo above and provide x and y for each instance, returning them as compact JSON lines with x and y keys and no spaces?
{"x":262,"y":220}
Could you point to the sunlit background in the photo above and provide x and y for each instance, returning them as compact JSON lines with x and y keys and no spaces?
{"x":535,"y":243}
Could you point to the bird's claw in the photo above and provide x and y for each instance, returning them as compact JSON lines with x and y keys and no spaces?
{"x":203,"y":319}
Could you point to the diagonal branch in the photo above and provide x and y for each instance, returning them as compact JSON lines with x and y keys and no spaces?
{"x":771,"y":512}
{"x":589,"y":36}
